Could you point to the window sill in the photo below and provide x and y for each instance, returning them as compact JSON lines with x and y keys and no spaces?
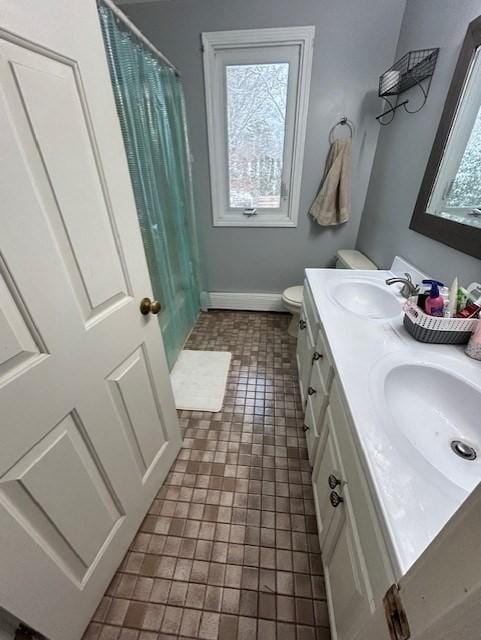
{"x":254,"y":221}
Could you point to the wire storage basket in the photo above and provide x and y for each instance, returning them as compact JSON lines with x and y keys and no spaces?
{"x":409,"y":70}
{"x":425,"y":328}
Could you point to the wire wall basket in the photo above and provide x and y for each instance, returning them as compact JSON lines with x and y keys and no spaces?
{"x":409,"y":71}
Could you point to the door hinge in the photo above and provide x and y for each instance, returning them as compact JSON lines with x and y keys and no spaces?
{"x":396,"y":617}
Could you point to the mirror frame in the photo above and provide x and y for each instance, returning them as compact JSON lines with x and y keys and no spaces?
{"x":454,"y":234}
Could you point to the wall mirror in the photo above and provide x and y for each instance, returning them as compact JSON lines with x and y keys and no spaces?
{"x":448,"y":208}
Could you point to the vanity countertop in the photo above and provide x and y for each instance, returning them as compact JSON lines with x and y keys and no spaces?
{"x":414,"y":498}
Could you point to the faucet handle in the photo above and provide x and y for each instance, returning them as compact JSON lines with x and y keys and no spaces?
{"x":415,"y":288}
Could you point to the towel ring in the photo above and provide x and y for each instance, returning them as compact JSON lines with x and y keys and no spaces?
{"x":344,"y":122}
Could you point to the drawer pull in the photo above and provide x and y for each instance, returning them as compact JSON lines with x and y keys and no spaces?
{"x":333,"y":481}
{"x":335,"y":499}
{"x":317,"y":356}
{"x":302,"y":324}
{"x":305,"y":428}
{"x":311,"y":391}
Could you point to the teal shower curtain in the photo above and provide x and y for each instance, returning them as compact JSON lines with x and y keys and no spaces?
{"x":151,"y":109}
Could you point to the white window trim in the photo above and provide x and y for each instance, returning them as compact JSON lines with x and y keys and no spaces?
{"x":211,"y":41}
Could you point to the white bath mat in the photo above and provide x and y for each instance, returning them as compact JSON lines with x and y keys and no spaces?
{"x":199,"y":379}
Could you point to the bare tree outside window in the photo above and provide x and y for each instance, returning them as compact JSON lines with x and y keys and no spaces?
{"x":256,"y":115}
{"x":466,"y":188}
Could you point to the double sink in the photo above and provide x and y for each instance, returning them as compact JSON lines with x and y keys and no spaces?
{"x":418,"y":405}
{"x":430,"y":409}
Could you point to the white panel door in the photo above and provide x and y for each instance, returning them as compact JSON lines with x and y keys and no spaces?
{"x":88,"y":424}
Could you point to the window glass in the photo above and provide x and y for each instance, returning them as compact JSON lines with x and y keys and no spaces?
{"x":256,"y":117}
{"x":466,"y":188}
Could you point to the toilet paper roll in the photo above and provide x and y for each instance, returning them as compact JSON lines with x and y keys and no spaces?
{"x":390,"y":80}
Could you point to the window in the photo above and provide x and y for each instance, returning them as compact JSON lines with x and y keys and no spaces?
{"x":457,"y":190}
{"x":257,"y":92}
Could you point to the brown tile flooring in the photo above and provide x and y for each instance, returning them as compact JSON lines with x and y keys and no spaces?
{"x":229,"y":548}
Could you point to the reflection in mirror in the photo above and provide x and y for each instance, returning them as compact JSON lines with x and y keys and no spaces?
{"x":448,"y":207}
{"x":457,"y":191}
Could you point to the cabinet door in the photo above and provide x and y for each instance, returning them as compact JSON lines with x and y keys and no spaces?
{"x":326,"y":466}
{"x":348,"y":590}
{"x":305,"y":349}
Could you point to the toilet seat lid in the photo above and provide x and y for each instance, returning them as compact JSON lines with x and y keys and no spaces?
{"x":294,"y":294}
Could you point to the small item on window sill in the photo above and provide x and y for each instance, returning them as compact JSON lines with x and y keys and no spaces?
{"x":473,"y":348}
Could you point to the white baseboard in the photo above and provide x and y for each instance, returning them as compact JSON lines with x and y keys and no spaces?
{"x":245,"y":301}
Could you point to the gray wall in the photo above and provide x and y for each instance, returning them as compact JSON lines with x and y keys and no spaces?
{"x":404,"y":147}
{"x":355,"y":42}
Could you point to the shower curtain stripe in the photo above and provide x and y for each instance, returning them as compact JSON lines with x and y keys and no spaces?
{"x":150,"y":104}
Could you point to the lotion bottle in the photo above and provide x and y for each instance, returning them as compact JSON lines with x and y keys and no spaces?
{"x":434,"y":305}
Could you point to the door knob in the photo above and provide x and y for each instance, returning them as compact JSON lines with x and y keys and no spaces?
{"x":302,"y":324}
{"x":149,"y":306}
{"x":316,"y":356}
{"x":305,"y":428}
{"x":311,"y":391}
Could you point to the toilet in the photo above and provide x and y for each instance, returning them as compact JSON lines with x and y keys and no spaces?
{"x":292,"y":300}
{"x":292,"y":296}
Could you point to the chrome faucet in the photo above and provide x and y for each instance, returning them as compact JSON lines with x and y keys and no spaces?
{"x":409,"y":289}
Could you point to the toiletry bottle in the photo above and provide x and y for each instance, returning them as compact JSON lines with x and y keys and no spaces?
{"x":473,"y":348}
{"x":445,"y":295}
{"x":453,"y":299}
{"x":434,"y":305}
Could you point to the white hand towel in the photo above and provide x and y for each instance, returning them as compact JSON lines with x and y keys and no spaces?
{"x":332,"y":205}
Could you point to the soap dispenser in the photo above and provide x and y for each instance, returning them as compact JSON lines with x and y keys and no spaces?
{"x":434,"y":304}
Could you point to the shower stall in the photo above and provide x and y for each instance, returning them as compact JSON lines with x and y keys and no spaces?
{"x":151,"y":109}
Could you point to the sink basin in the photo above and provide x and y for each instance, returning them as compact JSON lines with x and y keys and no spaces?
{"x":366,"y":299}
{"x":437,"y":414}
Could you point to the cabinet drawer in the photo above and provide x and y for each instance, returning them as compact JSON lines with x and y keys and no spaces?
{"x":322,"y":361}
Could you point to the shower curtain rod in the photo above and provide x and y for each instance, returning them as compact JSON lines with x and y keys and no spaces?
{"x":138,"y":34}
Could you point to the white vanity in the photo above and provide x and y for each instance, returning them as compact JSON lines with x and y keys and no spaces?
{"x":380,"y":413}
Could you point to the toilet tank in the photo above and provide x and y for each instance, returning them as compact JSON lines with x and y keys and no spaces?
{"x":352,"y":259}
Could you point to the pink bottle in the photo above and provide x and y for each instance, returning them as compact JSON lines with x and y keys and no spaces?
{"x":473,"y":349}
{"x":434,"y":304}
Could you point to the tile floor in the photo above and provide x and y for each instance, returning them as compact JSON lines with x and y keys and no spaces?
{"x":229,"y":548}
